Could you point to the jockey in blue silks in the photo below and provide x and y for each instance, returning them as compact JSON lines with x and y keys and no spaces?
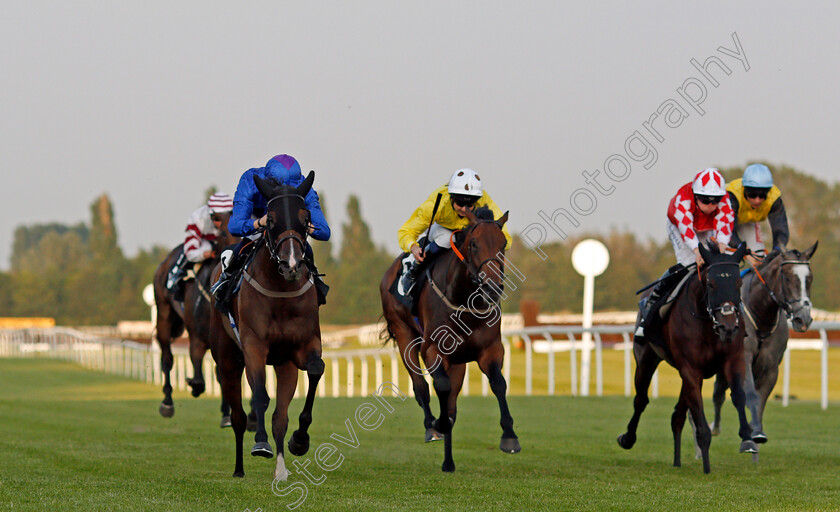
{"x":249,"y":214}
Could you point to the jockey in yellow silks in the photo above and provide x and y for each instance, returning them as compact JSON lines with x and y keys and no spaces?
{"x":755,"y":198}
{"x":464,"y":191}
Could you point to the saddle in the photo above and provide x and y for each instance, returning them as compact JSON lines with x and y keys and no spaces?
{"x":674,"y":284}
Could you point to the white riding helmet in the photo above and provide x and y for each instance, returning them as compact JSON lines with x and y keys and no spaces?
{"x":465,"y":182}
{"x":220,"y":203}
{"x":709,"y":182}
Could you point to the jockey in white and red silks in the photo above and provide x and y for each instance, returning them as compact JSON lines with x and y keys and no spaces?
{"x":202,"y":229}
{"x":700,"y":212}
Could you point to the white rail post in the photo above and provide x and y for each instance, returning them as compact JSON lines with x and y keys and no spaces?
{"x":364,"y":386}
{"x":550,"y":341}
{"x":506,"y":365}
{"x":335,"y":378}
{"x":599,"y":366}
{"x":573,"y":363}
{"x":465,"y":389}
{"x":655,"y":384}
{"x":529,"y":363}
{"x":824,"y":370}
{"x":351,"y":378}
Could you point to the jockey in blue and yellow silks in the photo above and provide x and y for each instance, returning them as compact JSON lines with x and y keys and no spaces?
{"x":754,"y":199}
{"x":249,"y":214}
{"x":464,"y":191}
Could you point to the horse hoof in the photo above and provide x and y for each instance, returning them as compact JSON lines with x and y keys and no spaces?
{"x":299,"y":443}
{"x":262,"y":449}
{"x":510,"y":445}
{"x":197,"y":388}
{"x":433,"y":435}
{"x":251,"y":426}
{"x":225,"y":422}
{"x":239,"y":474}
{"x":167,"y":411}
{"x":448,"y":467}
{"x":748,"y":446}
{"x":759,"y":437}
{"x":627,"y":440}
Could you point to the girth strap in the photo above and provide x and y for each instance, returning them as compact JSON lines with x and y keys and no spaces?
{"x":277,"y":295}
{"x":449,"y":304}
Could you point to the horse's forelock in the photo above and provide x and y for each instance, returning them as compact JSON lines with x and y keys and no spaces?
{"x":484,"y":213}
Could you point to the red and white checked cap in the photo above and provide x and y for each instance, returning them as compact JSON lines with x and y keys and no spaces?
{"x":709,"y":182}
{"x":219,"y":203}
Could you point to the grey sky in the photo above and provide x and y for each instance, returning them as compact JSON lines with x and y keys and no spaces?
{"x":152,"y":102}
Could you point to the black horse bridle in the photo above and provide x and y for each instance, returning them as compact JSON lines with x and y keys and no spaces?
{"x":274,"y":246}
{"x":727,"y":308}
{"x":473,"y":270}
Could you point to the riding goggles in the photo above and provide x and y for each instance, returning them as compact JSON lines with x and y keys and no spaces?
{"x":709,"y":199}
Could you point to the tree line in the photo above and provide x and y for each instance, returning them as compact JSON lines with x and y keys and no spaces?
{"x":78,"y":274}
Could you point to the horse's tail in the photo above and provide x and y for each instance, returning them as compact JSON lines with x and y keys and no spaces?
{"x":386,"y":334}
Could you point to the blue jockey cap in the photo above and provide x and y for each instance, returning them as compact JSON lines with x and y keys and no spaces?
{"x":285,"y":169}
{"x":757,"y":176}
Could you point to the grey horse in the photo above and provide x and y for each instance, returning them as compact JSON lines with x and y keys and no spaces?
{"x":776,"y":291}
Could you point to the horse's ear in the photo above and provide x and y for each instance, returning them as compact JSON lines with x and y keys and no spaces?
{"x":470,"y":216}
{"x":811,"y":250}
{"x":705,"y":253}
{"x":504,"y":218}
{"x":306,"y":185}
{"x":740,"y":252}
{"x":265,"y":187}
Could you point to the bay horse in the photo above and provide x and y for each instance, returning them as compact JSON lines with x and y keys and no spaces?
{"x":702,"y":336}
{"x":776,"y":291}
{"x":193,"y":314}
{"x":458,"y":309}
{"x":276,"y":312}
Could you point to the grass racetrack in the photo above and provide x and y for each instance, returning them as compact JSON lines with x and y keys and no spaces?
{"x":73,"y":439}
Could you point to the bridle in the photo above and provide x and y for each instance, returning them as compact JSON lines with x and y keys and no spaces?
{"x":727,"y":308}
{"x":473,"y":270}
{"x":274,"y":246}
{"x":784,"y":305}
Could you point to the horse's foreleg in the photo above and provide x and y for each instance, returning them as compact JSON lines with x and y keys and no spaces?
{"x":753,"y":401}
{"x":718,"y":397}
{"x":255,"y":360}
{"x":443,"y":389}
{"x":225,"y":408}
{"x":734,"y":375}
{"x":198,"y":348}
{"x":646,"y":363}
{"x":492,"y":367}
{"x":677,"y":423}
{"x":692,"y":395}
{"x":299,"y":442}
{"x":287,"y":376}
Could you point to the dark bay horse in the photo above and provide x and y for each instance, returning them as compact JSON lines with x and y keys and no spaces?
{"x":193,"y":313}
{"x":276,"y":311}
{"x":703,"y":336}
{"x":776,"y":291}
{"x":461,"y":322}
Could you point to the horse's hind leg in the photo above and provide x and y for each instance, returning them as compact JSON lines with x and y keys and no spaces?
{"x":718,"y":397}
{"x":753,"y":401}
{"x":646,"y":363}
{"x":299,"y":442}
{"x":443,"y":389}
{"x":225,"y":408}
{"x":692,"y":395}
{"x":168,"y":326}
{"x":229,"y":370}
{"x":491,"y":365}
{"x":198,"y":348}
{"x":410,"y":353}
{"x":287,"y":376}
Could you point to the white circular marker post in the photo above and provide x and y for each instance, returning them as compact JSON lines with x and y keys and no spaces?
{"x":590,"y":258}
{"x":149,"y":299}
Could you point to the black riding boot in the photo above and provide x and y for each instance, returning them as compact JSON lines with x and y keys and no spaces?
{"x":646,"y":305}
{"x":231,"y":262}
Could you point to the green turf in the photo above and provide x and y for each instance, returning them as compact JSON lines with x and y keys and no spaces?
{"x":72,"y":439}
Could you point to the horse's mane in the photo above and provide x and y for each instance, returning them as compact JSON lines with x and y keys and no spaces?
{"x":484,"y":213}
